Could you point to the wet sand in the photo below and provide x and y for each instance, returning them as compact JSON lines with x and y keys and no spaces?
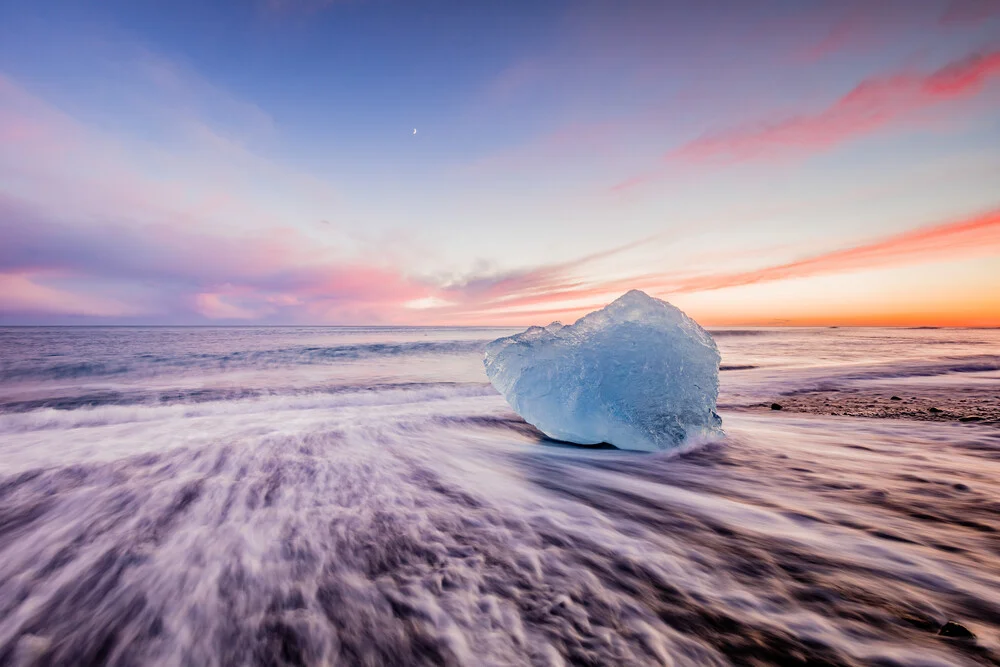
{"x":964,"y":405}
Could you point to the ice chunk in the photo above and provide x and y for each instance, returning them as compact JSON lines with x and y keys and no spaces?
{"x":639,"y":374}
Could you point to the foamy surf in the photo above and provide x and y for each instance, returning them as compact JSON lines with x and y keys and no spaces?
{"x":395,"y":524}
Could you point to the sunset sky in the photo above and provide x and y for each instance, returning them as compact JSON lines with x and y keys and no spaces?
{"x":255,"y":162}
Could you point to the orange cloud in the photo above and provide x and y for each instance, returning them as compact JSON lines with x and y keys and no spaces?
{"x":978,"y":235}
{"x":554,"y":292}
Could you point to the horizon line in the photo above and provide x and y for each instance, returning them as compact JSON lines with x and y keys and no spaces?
{"x":476,"y":326}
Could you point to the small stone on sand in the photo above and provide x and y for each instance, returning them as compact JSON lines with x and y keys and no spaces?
{"x":952,"y":629}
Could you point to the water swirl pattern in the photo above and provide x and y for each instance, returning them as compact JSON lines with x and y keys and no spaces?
{"x":307,"y":496}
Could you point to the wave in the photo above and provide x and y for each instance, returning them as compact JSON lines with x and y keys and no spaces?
{"x":717,"y":333}
{"x":207,"y":394}
{"x":40,"y":368}
{"x":262,"y":406}
{"x":762,"y":385}
{"x":438,"y":534}
{"x":907,"y":369}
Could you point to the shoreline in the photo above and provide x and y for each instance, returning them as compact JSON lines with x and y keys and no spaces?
{"x":969,"y":407}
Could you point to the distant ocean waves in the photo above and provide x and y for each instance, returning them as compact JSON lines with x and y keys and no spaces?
{"x":794,"y":381}
{"x":978,"y":363}
{"x":92,"y":414}
{"x":347,"y":393}
{"x":149,"y":364}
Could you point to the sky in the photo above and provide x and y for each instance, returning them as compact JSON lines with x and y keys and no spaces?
{"x":369,"y":162}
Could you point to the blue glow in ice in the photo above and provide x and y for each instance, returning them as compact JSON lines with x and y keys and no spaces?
{"x":639,"y":374}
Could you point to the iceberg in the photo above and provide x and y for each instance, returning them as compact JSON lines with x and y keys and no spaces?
{"x":638,"y":374}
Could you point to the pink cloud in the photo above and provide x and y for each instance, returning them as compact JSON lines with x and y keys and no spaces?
{"x":845,"y":31}
{"x":963,"y":77}
{"x":979,"y":235}
{"x":86,"y":208}
{"x":871,"y":105}
{"x":215,"y":307}
{"x":281,"y":275}
{"x":199,"y":177}
{"x":27,"y":293}
{"x":848,"y":27}
{"x":970,"y":11}
{"x":875,"y":104}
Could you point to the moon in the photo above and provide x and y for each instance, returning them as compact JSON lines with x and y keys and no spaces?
{"x":414,"y":130}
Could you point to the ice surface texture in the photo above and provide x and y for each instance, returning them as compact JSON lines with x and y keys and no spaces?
{"x":639,"y":374}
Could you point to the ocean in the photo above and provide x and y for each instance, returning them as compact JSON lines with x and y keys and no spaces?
{"x":362,"y":496}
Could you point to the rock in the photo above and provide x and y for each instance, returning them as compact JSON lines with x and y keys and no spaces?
{"x":638,"y":374}
{"x":934,"y":410}
{"x":895,"y":398}
{"x":775,"y":406}
{"x":956,"y":630}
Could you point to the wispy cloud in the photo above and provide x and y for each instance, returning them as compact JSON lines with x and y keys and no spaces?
{"x":962,"y":238}
{"x":558,"y":290}
{"x":25,"y":293}
{"x":970,"y":11}
{"x":544,"y":280}
{"x":160,"y":201}
{"x":278,"y":273}
{"x":300,"y":6}
{"x":189,"y":218}
{"x":845,"y":30}
{"x":871,"y":105}
{"x":874,"y":104}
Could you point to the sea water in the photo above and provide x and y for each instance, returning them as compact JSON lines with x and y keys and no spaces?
{"x":288,"y":496}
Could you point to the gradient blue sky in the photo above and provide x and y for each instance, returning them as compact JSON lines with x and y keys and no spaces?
{"x":255,"y":162}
